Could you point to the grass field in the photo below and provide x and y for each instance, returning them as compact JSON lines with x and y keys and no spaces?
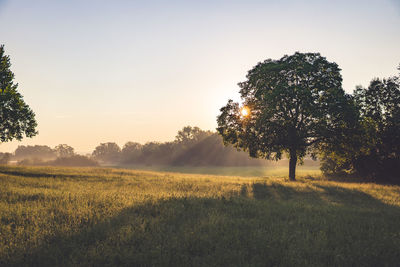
{"x":246,"y":171}
{"x":102,"y":216}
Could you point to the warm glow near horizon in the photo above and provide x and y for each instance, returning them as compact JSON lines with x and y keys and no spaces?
{"x":119,"y":71}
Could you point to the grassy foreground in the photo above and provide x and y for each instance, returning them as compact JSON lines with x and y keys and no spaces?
{"x":98,"y":216}
{"x":244,"y":171}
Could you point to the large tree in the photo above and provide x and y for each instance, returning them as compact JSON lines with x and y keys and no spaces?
{"x":16,"y":118}
{"x":289,"y":105}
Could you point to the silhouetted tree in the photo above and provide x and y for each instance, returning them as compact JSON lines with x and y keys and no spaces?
{"x":156,"y":153}
{"x":373,"y":148}
{"x":192,"y":147}
{"x":37,"y":151}
{"x":131,"y":152}
{"x":16,"y":118}
{"x":109,"y":152}
{"x":380,"y":102}
{"x":64,"y":150}
{"x":210,"y":151}
{"x":291,"y":105}
{"x":190,"y":135}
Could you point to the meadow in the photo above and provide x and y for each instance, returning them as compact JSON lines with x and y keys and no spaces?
{"x":272,"y":170}
{"x":52,"y":216}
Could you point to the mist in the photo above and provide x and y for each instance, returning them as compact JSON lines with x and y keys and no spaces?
{"x":192,"y":150}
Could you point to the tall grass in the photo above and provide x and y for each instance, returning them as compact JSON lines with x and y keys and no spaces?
{"x":244,"y":171}
{"x":101,"y":216}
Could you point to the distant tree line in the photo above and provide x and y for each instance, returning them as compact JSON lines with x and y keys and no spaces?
{"x":192,"y":146}
{"x":61,"y":155}
{"x":43,"y":152}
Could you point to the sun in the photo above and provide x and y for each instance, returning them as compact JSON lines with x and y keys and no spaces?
{"x":245,"y":111}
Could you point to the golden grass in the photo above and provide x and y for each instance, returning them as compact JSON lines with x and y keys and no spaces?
{"x":103,"y":216}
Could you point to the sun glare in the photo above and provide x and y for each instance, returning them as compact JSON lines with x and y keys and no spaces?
{"x":245,"y":111}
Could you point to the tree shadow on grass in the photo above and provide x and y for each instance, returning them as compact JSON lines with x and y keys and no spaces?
{"x":262,"y":225}
{"x":326,"y":195}
{"x":41,"y":174}
{"x":89,"y":177}
{"x":352,"y":178}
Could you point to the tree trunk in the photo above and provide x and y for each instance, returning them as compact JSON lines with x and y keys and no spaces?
{"x":292,"y":165}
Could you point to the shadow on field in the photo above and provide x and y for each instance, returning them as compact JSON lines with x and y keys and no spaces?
{"x":42,"y":174}
{"x":262,"y":224}
{"x":89,"y":177}
{"x":350,"y":178}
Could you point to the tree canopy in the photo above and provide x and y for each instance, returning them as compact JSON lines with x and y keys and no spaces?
{"x":107,"y":152}
{"x":288,"y":106}
{"x":64,"y":151}
{"x":37,"y":151}
{"x":372,"y":149}
{"x":16,"y":117}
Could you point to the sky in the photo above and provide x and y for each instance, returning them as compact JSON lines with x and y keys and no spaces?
{"x":118,"y":71}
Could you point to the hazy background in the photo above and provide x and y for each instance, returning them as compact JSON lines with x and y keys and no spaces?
{"x":98,"y":71}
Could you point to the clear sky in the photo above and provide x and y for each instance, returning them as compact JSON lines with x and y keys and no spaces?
{"x":99,"y":71}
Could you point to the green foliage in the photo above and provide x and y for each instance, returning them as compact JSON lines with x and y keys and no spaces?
{"x":372,"y":147}
{"x":294,"y":104}
{"x":380,"y":102}
{"x":98,"y":217}
{"x":16,"y":118}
